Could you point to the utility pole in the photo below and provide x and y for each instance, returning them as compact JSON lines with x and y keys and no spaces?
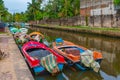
{"x":111,"y":3}
{"x":86,"y":16}
{"x":101,"y":14}
{"x":92,"y":7}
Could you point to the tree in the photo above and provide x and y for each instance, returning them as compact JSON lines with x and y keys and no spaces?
{"x":52,"y":9}
{"x":3,"y":11}
{"x":62,"y":8}
{"x":32,"y":9}
{"x":117,"y":4}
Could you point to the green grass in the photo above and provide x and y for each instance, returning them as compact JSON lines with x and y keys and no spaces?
{"x":87,"y":28}
{"x":2,"y":32}
{"x":94,"y":28}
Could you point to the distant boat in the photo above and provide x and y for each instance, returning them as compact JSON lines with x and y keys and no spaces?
{"x":14,"y":30}
{"x":41,"y":58}
{"x":23,"y":30}
{"x":79,"y":56}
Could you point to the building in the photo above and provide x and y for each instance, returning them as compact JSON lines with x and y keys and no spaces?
{"x":96,"y":7}
{"x":99,"y":13}
{"x":2,"y":27}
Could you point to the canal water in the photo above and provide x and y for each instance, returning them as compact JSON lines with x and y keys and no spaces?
{"x":109,"y":47}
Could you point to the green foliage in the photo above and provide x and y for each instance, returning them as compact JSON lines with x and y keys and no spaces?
{"x":62,"y":8}
{"x":2,"y":8}
{"x":117,"y":2}
{"x":53,"y":9}
{"x":33,"y":10}
{"x":3,"y":12}
{"x":37,"y":11}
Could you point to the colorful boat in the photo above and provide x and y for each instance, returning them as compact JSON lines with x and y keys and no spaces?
{"x":79,"y":56}
{"x":38,"y":56}
{"x":39,"y":37}
{"x":14,"y":30}
{"x":21,"y":38}
{"x":23,"y":30}
{"x":36,"y":36}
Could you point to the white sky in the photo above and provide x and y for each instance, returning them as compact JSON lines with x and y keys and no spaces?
{"x":16,"y":5}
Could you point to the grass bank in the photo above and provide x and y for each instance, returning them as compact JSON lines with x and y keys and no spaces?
{"x":86,"y":28}
{"x":110,"y":32}
{"x":2,"y":32}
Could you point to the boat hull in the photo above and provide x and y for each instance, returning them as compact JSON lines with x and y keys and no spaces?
{"x":80,"y":66}
{"x":41,"y":69}
{"x":78,"y":56}
{"x":34,"y":51}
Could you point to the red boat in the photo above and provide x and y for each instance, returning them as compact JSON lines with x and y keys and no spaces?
{"x":34,"y":52}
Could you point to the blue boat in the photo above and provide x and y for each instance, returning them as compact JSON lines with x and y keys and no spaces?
{"x":78,"y":56}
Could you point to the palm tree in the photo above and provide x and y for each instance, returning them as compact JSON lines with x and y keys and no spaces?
{"x":3,"y":10}
{"x":33,"y":8}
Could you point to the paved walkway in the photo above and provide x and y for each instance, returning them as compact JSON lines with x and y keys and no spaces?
{"x":13,"y":67}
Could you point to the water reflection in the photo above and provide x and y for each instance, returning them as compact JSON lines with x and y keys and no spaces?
{"x":109,"y":47}
{"x":69,"y":74}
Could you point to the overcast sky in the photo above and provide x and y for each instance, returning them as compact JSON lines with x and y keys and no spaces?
{"x":16,"y":5}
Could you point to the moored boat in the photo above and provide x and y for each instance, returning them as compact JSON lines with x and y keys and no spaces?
{"x":79,"y":56}
{"x":23,"y":30}
{"x":41,"y":58}
{"x":14,"y":30}
{"x":39,"y":37}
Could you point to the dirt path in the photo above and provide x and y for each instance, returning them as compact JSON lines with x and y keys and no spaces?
{"x":13,"y":66}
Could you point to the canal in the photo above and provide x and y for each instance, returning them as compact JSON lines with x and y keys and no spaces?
{"x":109,"y":47}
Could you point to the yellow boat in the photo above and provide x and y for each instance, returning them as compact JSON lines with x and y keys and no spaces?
{"x":37,"y":36}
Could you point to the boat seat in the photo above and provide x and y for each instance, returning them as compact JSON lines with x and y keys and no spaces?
{"x":74,"y":52}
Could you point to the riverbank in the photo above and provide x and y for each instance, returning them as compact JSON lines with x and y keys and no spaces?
{"x":110,"y":32}
{"x":13,"y":66}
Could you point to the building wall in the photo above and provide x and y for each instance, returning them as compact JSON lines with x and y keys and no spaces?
{"x":105,"y":11}
{"x":85,"y":12}
{"x":93,"y":21}
{"x":94,"y":7}
{"x":2,"y":29}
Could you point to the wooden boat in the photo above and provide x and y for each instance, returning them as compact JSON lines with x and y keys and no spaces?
{"x":34,"y":52}
{"x":23,"y":30}
{"x":14,"y":30}
{"x":77,"y":55}
{"x":36,"y":36}
{"x":20,"y":39}
{"x":39,"y":37}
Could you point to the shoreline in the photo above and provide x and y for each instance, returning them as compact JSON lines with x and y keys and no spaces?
{"x":108,"y":33}
{"x":13,"y":66}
